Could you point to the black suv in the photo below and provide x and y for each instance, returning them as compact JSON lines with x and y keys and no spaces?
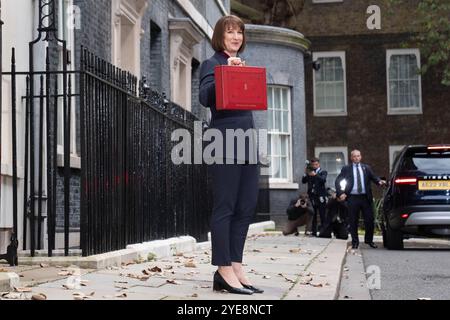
{"x":417,"y":200}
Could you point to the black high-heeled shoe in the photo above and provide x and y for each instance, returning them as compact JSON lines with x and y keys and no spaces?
{"x":220,"y":284}
{"x":252,"y":288}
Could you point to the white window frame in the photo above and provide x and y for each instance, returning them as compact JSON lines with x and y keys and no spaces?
{"x":131,"y":12}
{"x":183,"y":35}
{"x":75,"y":160}
{"x":344,"y":150}
{"x":330,"y":54}
{"x":278,"y":183}
{"x":392,"y":150}
{"x":397,"y":111}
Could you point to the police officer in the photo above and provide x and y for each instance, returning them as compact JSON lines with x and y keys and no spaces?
{"x":316,"y":179}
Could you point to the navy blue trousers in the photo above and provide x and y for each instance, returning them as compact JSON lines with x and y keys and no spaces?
{"x":235,"y":192}
{"x":357,"y":203}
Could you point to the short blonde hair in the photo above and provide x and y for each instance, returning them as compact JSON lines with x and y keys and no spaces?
{"x":219,"y":32}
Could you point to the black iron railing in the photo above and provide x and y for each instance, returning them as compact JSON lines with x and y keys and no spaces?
{"x":131,"y":190}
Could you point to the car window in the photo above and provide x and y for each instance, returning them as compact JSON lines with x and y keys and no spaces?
{"x":427,"y":162}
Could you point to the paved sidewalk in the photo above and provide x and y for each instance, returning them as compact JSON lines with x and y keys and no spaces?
{"x":287,"y":268}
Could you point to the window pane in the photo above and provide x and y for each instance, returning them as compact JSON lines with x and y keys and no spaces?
{"x":330,"y":88}
{"x":283,"y":168}
{"x":278,"y":122}
{"x":332,"y":162}
{"x":403,"y":82}
{"x":277,"y":103}
{"x":283,"y":151}
{"x":270,"y":119}
{"x":269,"y":98}
{"x":285,"y":104}
{"x":285,"y":122}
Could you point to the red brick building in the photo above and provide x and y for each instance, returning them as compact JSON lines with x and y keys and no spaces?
{"x":367,"y":93}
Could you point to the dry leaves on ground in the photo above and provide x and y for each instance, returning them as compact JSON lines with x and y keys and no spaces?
{"x":296,"y":250}
{"x":171,"y":281}
{"x":82,"y":296}
{"x":155,"y":269}
{"x":66,"y":272}
{"x":13,"y":295}
{"x":24,"y":289}
{"x":286,"y":278}
{"x":39,"y":296}
{"x":190,"y":264}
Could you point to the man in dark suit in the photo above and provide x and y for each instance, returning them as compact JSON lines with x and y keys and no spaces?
{"x":316,"y":178}
{"x":353,"y":185}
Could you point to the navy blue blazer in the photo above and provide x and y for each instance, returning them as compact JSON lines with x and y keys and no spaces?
{"x":347,"y":173}
{"x":227,"y":119}
{"x":317,"y":184}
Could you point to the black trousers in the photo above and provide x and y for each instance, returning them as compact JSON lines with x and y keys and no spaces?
{"x":321,"y":210}
{"x":235,"y":193}
{"x":357,"y":203}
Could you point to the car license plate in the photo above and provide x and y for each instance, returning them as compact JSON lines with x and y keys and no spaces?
{"x":434,"y":185}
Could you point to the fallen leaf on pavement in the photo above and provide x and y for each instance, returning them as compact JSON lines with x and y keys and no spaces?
{"x":178,"y":254}
{"x":69,"y":286}
{"x":317,"y":285}
{"x":39,"y":296}
{"x":121,"y":295}
{"x":190,"y":264}
{"x":256,"y":250}
{"x":155,"y":269}
{"x":173,"y":281}
{"x":24,"y":289}
{"x":120,"y":281}
{"x":119,"y":286}
{"x":306,"y":281}
{"x":84,"y":283}
{"x":266,"y":277}
{"x":44,"y":265}
{"x":12,"y":295}
{"x":78,"y":295}
{"x":205,"y":286}
{"x":194,"y":295}
{"x":294,"y":250}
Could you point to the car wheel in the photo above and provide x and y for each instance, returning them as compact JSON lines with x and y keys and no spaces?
{"x":394,"y":238}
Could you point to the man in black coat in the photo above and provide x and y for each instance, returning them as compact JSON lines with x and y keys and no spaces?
{"x":316,"y":179}
{"x":353,"y":185}
{"x":300,"y":213}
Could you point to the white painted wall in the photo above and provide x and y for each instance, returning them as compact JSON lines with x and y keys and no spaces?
{"x":19,"y":19}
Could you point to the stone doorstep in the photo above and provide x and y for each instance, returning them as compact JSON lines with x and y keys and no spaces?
{"x":135,"y":252}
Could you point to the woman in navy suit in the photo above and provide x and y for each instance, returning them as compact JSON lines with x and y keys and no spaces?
{"x":235,"y":185}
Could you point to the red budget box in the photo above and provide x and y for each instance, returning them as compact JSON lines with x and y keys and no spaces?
{"x":240,"y":88}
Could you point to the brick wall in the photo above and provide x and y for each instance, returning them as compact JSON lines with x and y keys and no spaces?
{"x":349,"y":17}
{"x":368,"y":127}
